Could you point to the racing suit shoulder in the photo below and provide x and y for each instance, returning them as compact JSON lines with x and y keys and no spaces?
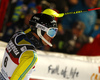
{"x":26,"y":61}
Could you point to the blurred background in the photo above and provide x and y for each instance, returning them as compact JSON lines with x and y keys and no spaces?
{"x":77,"y":33}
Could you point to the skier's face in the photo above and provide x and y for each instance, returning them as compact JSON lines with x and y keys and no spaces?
{"x":47,"y":38}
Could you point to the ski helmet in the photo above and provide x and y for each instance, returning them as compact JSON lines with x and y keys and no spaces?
{"x":41,"y":23}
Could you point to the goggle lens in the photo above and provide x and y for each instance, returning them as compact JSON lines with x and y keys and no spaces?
{"x":52,"y":32}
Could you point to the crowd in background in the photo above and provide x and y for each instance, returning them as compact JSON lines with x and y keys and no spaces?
{"x":77,"y":33}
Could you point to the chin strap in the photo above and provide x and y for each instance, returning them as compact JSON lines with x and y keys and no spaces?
{"x":39,"y":34}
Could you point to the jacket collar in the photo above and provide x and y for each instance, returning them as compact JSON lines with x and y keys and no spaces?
{"x":37,"y":43}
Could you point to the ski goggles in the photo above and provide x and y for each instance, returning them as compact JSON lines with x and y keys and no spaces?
{"x":51,"y":32}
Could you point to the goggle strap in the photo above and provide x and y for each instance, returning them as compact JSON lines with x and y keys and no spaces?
{"x":55,"y":33}
{"x":41,"y":27}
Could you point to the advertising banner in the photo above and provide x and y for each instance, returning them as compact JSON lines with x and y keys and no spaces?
{"x":58,"y":67}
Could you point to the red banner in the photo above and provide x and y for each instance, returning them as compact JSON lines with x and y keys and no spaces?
{"x":91,"y":49}
{"x":3,"y":8}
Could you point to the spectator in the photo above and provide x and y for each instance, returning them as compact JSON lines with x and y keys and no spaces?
{"x":32,"y":4}
{"x":72,"y":40}
{"x":91,"y":49}
{"x":44,"y":4}
{"x":21,"y":25}
{"x":97,"y":31}
{"x":89,"y":18}
{"x":67,"y":4}
{"x":71,"y":3}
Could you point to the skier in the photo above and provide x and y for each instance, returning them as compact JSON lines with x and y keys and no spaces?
{"x":20,"y":56}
